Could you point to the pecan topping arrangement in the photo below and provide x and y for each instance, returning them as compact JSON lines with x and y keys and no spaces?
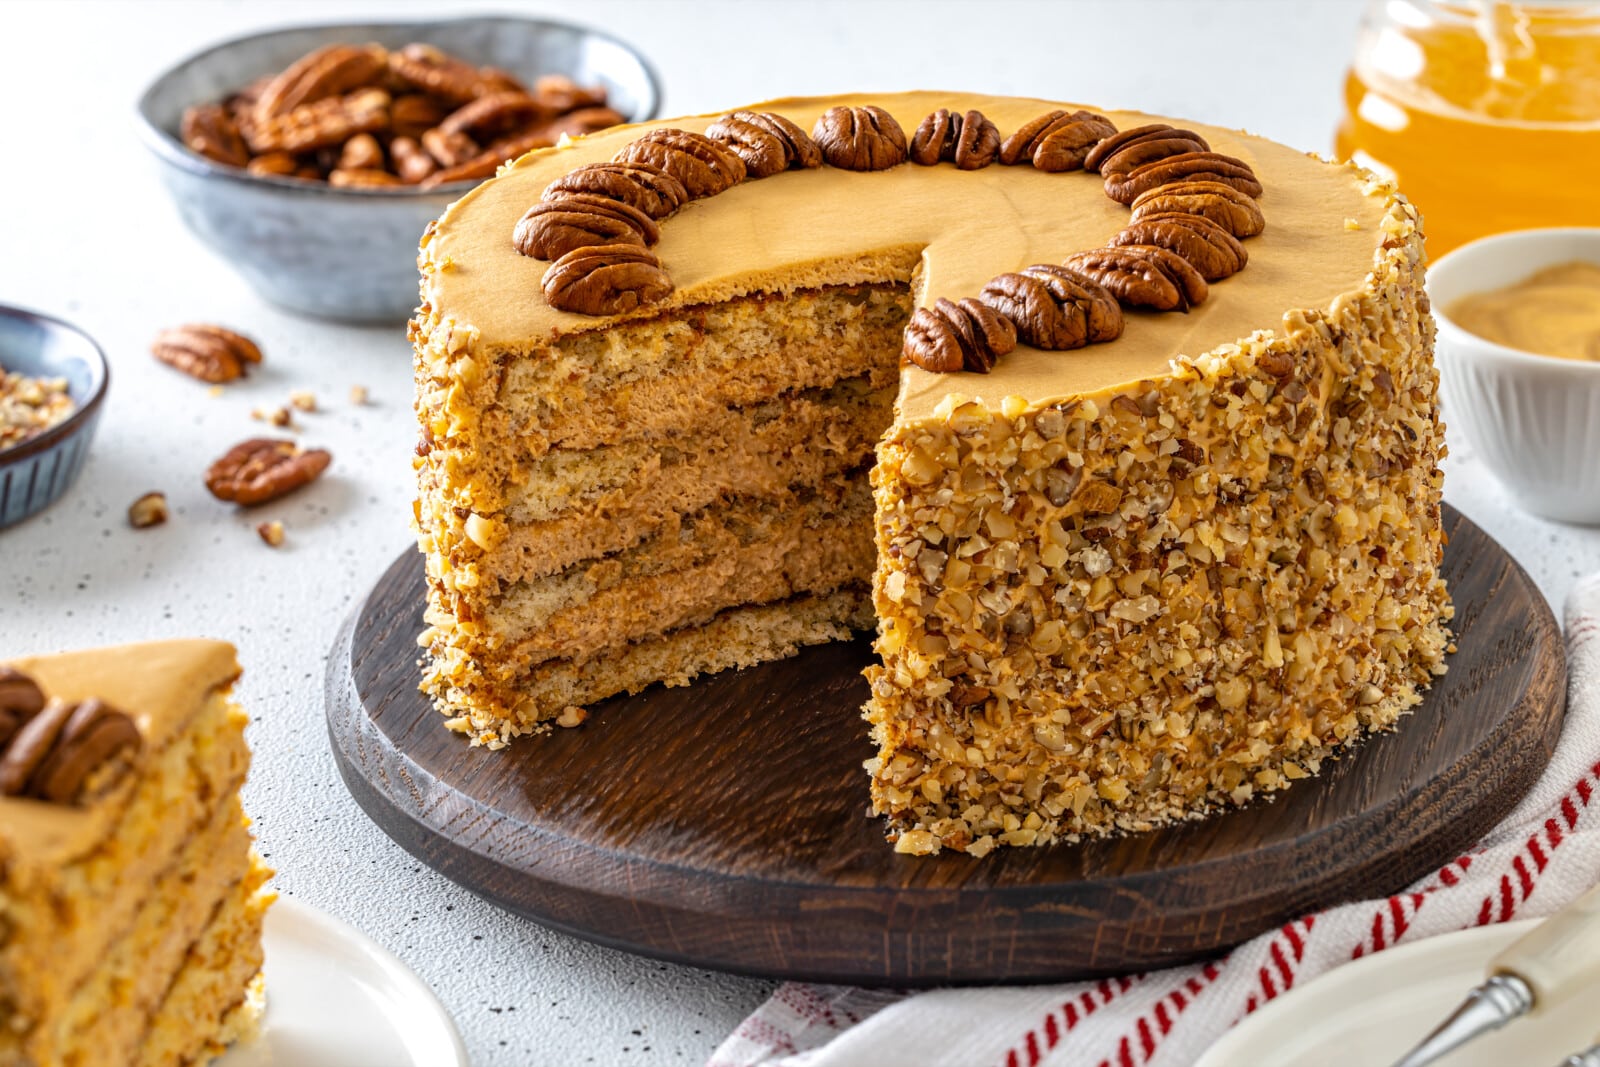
{"x":1214,"y":251}
{"x":701,"y":165}
{"x":952,"y":336}
{"x":860,"y":138}
{"x":205,"y":351}
{"x":605,"y":280}
{"x":1056,"y":141}
{"x":552,"y":228}
{"x":639,"y":185}
{"x":49,"y":750}
{"x":1222,"y":204}
{"x":1143,"y":276}
{"x":762,"y":138}
{"x":261,"y":469}
{"x":1055,"y":308}
{"x":1189,"y":166}
{"x":362,"y":117}
{"x":1135,"y":147}
{"x":969,"y":140}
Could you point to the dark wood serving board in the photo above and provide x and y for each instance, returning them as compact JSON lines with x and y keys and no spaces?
{"x":724,"y":824}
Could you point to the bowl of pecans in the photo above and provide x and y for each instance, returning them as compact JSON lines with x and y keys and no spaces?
{"x":312,"y":158}
{"x":53,"y":381}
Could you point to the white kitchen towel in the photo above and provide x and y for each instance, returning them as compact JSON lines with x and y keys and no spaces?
{"x":1542,"y":856}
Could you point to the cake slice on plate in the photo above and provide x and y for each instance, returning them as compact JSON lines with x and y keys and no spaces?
{"x":132,"y":898}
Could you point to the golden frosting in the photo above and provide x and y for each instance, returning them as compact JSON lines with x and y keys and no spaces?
{"x":161,"y":684}
{"x":950,"y":230}
{"x":1555,"y":312}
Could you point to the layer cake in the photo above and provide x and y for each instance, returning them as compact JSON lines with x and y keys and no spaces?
{"x":131,"y":904}
{"x":1112,"y":587}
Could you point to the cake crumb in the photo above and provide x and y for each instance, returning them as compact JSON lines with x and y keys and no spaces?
{"x":271,"y":533}
{"x":149,"y":510}
{"x":303,"y":400}
{"x":1352,"y":224}
{"x":571,"y":716}
{"x":358,"y":395}
{"x":276,"y":416}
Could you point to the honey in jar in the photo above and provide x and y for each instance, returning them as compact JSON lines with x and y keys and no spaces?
{"x":1486,"y":113}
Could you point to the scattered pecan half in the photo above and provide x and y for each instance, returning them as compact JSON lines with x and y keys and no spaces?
{"x":52,"y":756}
{"x":413,"y":114}
{"x":953,"y":336}
{"x":605,"y":280}
{"x":493,"y":115}
{"x":210,"y":130}
{"x":201,"y":350}
{"x":1224,"y":205}
{"x":20,"y":700}
{"x":970,"y":141}
{"x":768,"y":143}
{"x":1143,"y":276}
{"x":261,"y":469}
{"x":860,"y":138}
{"x":1069,"y":135}
{"x":1127,"y":149}
{"x":331,"y":71}
{"x":322,"y":124}
{"x":701,"y":165}
{"x":1055,"y":308}
{"x":1126,"y":187}
{"x":639,"y":185}
{"x":1214,"y":251}
{"x":361,"y":152}
{"x":440,"y":74}
{"x":411,"y":163}
{"x":552,"y":228}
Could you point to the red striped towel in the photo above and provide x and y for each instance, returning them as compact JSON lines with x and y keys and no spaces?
{"x":1542,"y":856}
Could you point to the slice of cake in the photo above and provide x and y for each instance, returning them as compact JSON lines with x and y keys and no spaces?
{"x":132,"y":898}
{"x":1147,"y":408}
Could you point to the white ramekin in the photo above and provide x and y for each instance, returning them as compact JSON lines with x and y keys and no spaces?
{"x":1534,"y":420}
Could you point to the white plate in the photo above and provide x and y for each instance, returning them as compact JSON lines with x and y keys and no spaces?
{"x":336,"y":998}
{"x":1371,"y":1012}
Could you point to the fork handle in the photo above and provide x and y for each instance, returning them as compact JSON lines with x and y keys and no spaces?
{"x":1560,"y":956}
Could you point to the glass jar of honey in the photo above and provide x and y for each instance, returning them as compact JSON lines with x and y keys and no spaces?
{"x":1486,"y":113}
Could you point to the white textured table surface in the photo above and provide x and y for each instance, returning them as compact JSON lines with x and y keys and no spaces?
{"x":88,"y":235}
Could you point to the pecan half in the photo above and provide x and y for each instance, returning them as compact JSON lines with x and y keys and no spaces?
{"x":1143,"y":276}
{"x":494,"y":114}
{"x":212,"y":131}
{"x":768,"y":143}
{"x":331,"y":71}
{"x":322,"y":124}
{"x":1222,"y":204}
{"x":969,"y":140}
{"x":1130,"y":148}
{"x":362,"y":178}
{"x":585,"y":120}
{"x":1054,"y":307}
{"x":274,"y":165}
{"x":55,"y":752}
{"x":701,"y":165}
{"x":440,"y":74}
{"x":639,"y":185}
{"x":1074,"y":133}
{"x":489,"y":160}
{"x":201,"y":350}
{"x":1214,"y":251}
{"x":552,"y":228}
{"x":860,"y":138}
{"x":411,"y":163}
{"x":261,"y":469}
{"x":1125,"y":187}
{"x":605,"y":280}
{"x":560,"y":93}
{"x":20,"y":700}
{"x":361,"y":152}
{"x":953,"y":336}
{"x":449,"y":149}
{"x":414,"y":114}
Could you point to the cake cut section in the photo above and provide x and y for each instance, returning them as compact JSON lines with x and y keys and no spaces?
{"x":1113,"y":588}
{"x":132,"y":913}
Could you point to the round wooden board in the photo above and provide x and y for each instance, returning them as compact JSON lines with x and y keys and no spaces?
{"x":724,"y":824}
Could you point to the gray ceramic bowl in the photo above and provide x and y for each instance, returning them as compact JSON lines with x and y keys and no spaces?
{"x":351,"y":254}
{"x":35,"y":473}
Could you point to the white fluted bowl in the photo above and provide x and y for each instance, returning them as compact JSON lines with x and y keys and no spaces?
{"x":1534,"y":420}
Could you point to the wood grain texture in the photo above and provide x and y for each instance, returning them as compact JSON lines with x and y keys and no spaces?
{"x":724,"y":824}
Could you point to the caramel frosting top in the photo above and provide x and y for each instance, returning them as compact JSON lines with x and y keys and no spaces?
{"x":161,"y":684}
{"x":949,"y":230}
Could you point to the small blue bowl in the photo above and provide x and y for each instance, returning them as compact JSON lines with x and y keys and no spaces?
{"x":35,"y":473}
{"x":351,"y":254}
